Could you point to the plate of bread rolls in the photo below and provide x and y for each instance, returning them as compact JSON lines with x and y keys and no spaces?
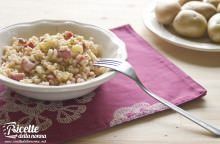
{"x":193,"y":24}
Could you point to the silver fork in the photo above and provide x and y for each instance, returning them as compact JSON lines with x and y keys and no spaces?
{"x":126,"y":69}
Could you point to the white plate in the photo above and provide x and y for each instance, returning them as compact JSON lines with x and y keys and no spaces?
{"x":151,"y":23}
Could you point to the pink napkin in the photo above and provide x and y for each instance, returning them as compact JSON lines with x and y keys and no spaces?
{"x":119,"y":100}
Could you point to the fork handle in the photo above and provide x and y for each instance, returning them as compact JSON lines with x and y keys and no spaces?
{"x":184,"y":113}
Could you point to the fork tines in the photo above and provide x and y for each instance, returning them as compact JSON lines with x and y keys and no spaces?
{"x":108,"y":61}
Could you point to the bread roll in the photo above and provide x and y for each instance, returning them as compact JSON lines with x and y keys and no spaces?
{"x":182,"y":2}
{"x":218,"y":8}
{"x":205,"y":9}
{"x":190,"y":24}
{"x":214,"y":28}
{"x":166,"y":11}
{"x":213,"y":2}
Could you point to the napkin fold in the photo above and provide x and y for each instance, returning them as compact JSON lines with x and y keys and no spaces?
{"x":119,"y":100}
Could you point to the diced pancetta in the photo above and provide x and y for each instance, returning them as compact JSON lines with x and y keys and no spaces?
{"x":17,"y":76}
{"x":27,"y":65}
{"x":65,"y":54}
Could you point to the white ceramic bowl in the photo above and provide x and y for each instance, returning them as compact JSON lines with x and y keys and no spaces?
{"x":111,"y":47}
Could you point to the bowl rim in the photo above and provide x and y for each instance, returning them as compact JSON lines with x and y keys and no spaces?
{"x":77,"y":86}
